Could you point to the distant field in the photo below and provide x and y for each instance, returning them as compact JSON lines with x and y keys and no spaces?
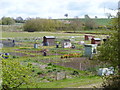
{"x":35,"y":34}
{"x":16,"y":27}
{"x":99,"y":21}
{"x":57,"y":34}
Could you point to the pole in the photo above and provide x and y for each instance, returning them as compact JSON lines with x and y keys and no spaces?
{"x":80,"y":67}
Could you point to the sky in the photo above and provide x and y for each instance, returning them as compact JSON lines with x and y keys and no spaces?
{"x":56,"y":9}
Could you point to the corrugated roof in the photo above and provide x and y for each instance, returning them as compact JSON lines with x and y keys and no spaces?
{"x":49,"y":36}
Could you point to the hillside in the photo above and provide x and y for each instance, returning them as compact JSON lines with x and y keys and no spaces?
{"x":99,"y":21}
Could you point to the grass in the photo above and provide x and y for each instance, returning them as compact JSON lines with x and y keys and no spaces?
{"x":35,"y":34}
{"x":67,"y":83}
{"x":15,"y":27}
{"x":41,"y":34}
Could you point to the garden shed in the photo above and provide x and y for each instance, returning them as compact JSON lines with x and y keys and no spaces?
{"x":48,"y":40}
{"x":89,"y":37}
{"x":7,"y":43}
{"x":66,"y":43}
{"x":96,"y":41}
{"x":90,"y":50}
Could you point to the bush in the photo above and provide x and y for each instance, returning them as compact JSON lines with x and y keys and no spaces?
{"x":49,"y":64}
{"x":75,"y":73}
{"x":50,"y":71}
{"x":90,"y":24}
{"x":15,"y":57}
{"x":7,"y":21}
{"x":111,"y":81}
{"x":41,"y":25}
{"x":33,"y":70}
{"x":49,"y":67}
{"x":39,"y":72}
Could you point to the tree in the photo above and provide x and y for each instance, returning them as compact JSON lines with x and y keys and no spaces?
{"x":96,"y":17}
{"x":14,"y":74}
{"x":39,"y":24}
{"x":108,"y":15}
{"x":28,"y":18}
{"x":109,"y":53}
{"x":89,"y":23}
{"x":7,"y":21}
{"x":66,"y":15}
{"x":19,"y":20}
{"x":87,"y":17}
{"x":0,"y":22}
{"x":109,"y":50}
{"x":76,"y":25}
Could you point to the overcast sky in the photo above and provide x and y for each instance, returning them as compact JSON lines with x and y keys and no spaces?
{"x":57,"y":8}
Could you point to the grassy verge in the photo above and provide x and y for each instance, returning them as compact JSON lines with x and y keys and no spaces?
{"x":67,"y":83}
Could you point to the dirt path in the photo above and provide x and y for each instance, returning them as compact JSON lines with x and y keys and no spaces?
{"x":94,"y":85}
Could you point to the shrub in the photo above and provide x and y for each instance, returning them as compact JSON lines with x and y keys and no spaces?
{"x":33,"y":70}
{"x":7,"y":21}
{"x":49,"y":67}
{"x":49,"y":64}
{"x":41,"y":25}
{"x":49,"y":71}
{"x":75,"y":73}
{"x":39,"y":72}
{"x":111,"y":81}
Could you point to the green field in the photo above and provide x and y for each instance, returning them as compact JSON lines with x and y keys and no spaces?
{"x":57,"y":34}
{"x":35,"y":34}
{"x":99,"y":21}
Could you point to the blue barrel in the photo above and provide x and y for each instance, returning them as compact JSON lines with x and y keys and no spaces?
{"x":35,"y":46}
{"x":6,"y":53}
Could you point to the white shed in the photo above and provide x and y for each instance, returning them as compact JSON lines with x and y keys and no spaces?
{"x":90,"y":50}
{"x":66,"y":43}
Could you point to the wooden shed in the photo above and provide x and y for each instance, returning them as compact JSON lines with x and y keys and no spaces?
{"x":96,"y":41}
{"x":66,"y":43}
{"x":89,"y":37}
{"x":48,"y":40}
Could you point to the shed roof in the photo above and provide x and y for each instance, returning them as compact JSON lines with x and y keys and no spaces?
{"x":67,"y":40}
{"x":90,"y":45}
{"x":49,"y":36}
{"x":97,"y":39}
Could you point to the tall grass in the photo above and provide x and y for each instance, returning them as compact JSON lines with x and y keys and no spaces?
{"x":10,"y":28}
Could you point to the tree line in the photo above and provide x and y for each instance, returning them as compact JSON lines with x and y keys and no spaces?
{"x":11,"y":21}
{"x":40,"y":24}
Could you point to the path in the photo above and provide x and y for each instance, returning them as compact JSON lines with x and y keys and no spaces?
{"x":94,"y":85}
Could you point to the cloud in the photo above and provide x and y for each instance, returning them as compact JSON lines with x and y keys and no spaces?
{"x":55,"y":8}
